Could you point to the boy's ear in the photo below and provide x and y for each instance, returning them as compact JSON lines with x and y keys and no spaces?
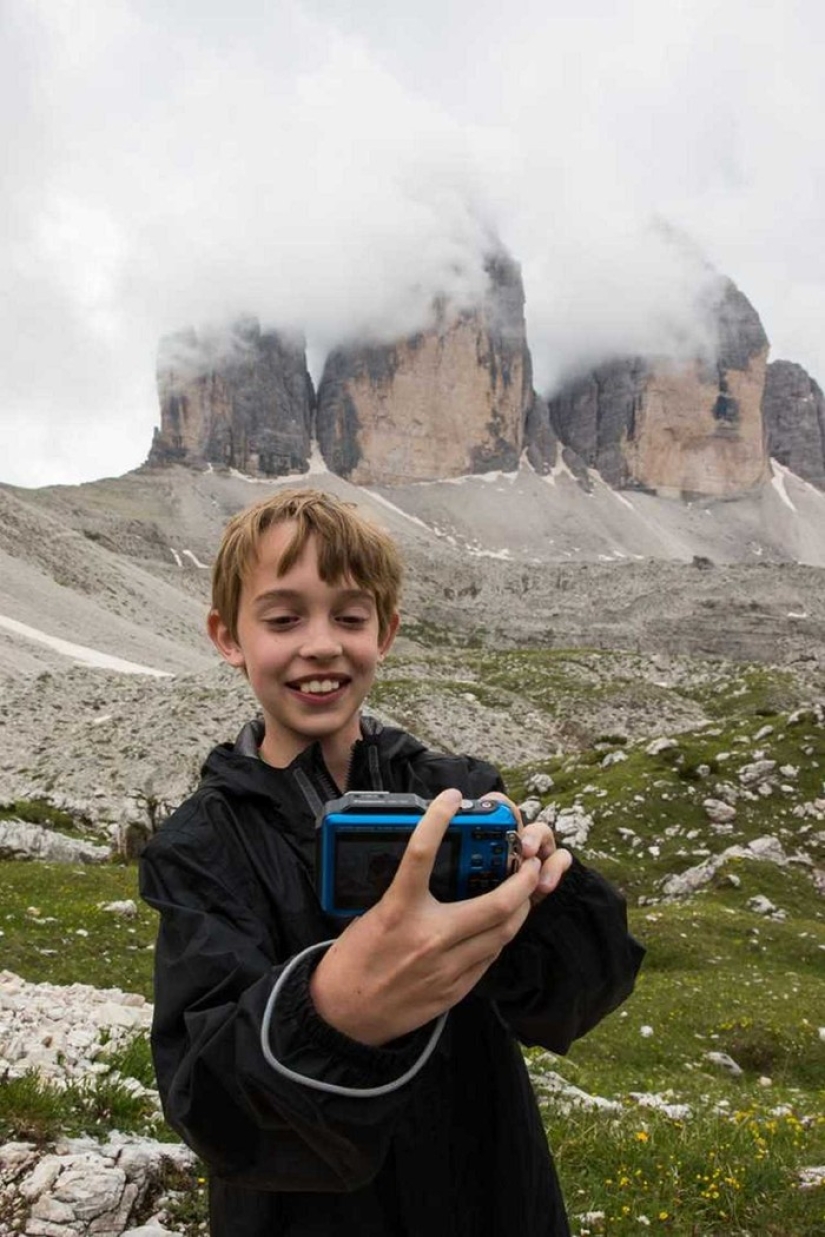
{"x":223,"y":641}
{"x":390,"y":634}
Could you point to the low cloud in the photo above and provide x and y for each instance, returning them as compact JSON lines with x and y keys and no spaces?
{"x":331,"y":166}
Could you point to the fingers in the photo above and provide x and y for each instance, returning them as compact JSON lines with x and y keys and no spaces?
{"x":542,"y":867}
{"x":413,"y":876}
{"x":553,"y":869}
{"x":490,"y":910}
{"x":537,"y":839}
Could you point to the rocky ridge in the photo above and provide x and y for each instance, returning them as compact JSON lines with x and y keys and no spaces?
{"x":451,"y":400}
{"x":457,"y":398}
{"x":794,"y":409}
{"x":676,"y":428}
{"x":240,"y":399}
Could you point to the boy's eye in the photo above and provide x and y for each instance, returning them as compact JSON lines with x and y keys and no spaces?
{"x":281,"y":621}
{"x":353,"y":620}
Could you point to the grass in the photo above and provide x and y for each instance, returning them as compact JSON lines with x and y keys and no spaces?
{"x":54,"y":928}
{"x":717,"y":978}
{"x":732,"y":1171}
{"x":34,"y":1110}
{"x":41,"y":812}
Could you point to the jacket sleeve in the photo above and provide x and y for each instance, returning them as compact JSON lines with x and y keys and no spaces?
{"x":571,"y":964}
{"x":573,"y":960}
{"x":215,"y":968}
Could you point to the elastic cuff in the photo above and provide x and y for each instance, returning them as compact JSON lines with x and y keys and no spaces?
{"x":365,"y":1065}
{"x":358,"y":1084}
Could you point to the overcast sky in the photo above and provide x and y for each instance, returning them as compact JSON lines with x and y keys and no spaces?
{"x":330,"y":164}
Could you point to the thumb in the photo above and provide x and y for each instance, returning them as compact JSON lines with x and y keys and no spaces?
{"x":415,"y":869}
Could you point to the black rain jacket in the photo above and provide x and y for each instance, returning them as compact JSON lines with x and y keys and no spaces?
{"x":458,"y":1151}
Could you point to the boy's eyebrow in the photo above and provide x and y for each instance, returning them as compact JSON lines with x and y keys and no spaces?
{"x":289,"y":594}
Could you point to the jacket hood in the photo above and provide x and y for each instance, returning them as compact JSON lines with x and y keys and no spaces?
{"x":237,"y":767}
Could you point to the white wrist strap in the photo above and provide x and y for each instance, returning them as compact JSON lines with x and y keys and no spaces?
{"x":315,"y":1083}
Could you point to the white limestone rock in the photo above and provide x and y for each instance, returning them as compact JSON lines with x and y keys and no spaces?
{"x":718,"y":812}
{"x":127,"y":909}
{"x":19,"y":839}
{"x":766,"y":849}
{"x":56,"y":1029}
{"x":725,"y":1062}
{"x":756,"y":772}
{"x":572,"y":826}
{"x":84,"y":1188}
{"x":661,"y":744}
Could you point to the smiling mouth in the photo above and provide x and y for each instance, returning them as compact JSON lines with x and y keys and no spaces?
{"x":318,"y":687}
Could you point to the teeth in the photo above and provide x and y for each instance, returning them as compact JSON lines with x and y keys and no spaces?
{"x":319,"y":687}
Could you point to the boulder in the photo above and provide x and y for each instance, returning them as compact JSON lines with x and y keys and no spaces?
{"x":84,"y":1187}
{"x":765,"y":849}
{"x":718,"y":812}
{"x":572,"y":826}
{"x":725,"y":1062}
{"x":20,"y":839}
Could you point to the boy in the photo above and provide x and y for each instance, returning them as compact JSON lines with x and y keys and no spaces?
{"x":351,"y":1114}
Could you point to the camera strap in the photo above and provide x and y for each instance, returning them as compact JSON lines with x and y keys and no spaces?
{"x":316,"y":1084}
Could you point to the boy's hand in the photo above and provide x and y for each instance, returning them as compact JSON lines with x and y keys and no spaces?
{"x":537,"y":840}
{"x":411,"y":957}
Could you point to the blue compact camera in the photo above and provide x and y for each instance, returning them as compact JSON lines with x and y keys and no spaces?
{"x":361,"y":838}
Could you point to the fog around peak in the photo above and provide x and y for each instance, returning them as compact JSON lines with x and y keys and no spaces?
{"x":330,"y":166}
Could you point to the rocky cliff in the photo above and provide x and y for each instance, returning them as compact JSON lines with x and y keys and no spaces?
{"x":457,"y":399}
{"x":679,"y":428}
{"x":794,"y":410}
{"x":242,"y":399}
{"x":450,"y":400}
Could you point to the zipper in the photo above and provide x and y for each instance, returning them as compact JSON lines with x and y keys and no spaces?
{"x":322,"y":782}
{"x":325,"y":782}
{"x":350,"y":763}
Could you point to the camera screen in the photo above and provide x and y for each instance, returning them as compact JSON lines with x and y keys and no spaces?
{"x":366,"y":861}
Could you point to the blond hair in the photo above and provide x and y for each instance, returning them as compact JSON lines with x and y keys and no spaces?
{"x":348,"y":546}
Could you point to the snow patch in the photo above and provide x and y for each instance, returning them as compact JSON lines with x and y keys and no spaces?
{"x":413,"y":519}
{"x":559,"y":469}
{"x":176,"y":556}
{"x":622,"y":499}
{"x":487,"y":477}
{"x":316,"y":460}
{"x":79,"y":652}
{"x":778,"y":482}
{"x":479,"y":553}
{"x":597,"y":479}
{"x":196,"y":560}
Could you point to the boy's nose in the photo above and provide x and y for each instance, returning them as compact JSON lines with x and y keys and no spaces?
{"x":322,"y":643}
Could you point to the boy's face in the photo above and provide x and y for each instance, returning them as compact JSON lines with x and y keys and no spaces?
{"x":309,"y":649}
